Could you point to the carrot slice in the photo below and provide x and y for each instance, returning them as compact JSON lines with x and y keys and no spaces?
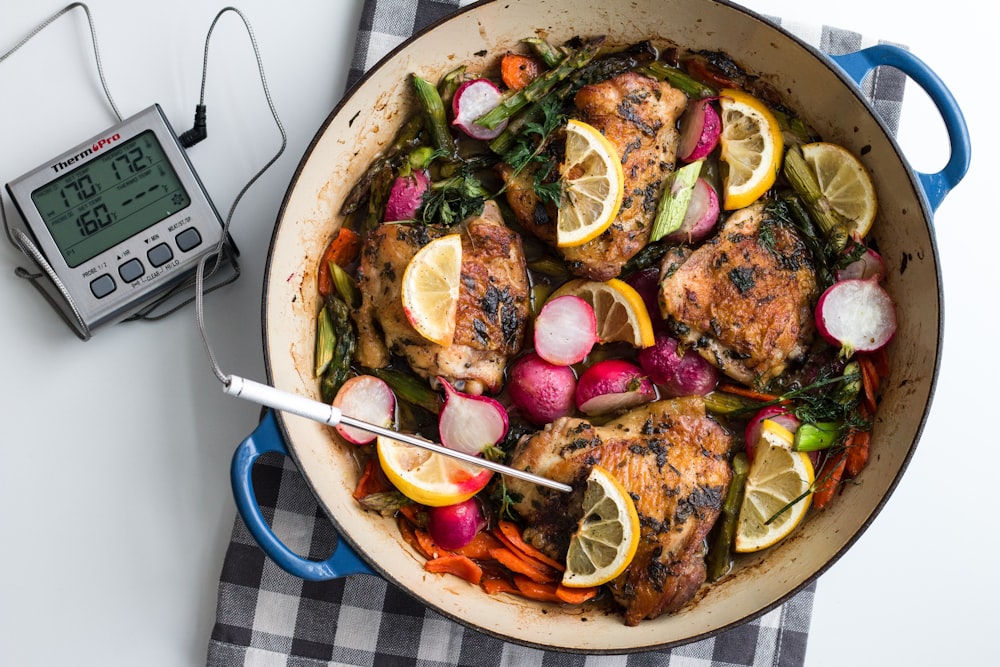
{"x":858,"y":447}
{"x":517,"y":70}
{"x":869,"y":381}
{"x":479,"y":547}
{"x":746,"y":392}
{"x":411,"y":512}
{"x":409,"y":534}
{"x":456,"y":564}
{"x":372,"y":480}
{"x":514,"y":563}
{"x":575,"y":595}
{"x":536,"y":590}
{"x":512,"y":532}
{"x":829,"y":479}
{"x":493,"y":583}
{"x":342,"y":250}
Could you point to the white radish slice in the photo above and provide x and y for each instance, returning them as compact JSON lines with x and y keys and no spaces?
{"x":369,"y":399}
{"x":470,"y":423}
{"x":857,"y":315}
{"x":869,"y":265}
{"x":472,"y":100}
{"x":701,"y":216}
{"x":700,"y":130}
{"x":565,"y":330}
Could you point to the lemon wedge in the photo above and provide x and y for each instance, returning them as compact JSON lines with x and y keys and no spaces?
{"x":777,"y":494}
{"x":752,"y":148}
{"x":607,"y":535}
{"x":593,"y":185}
{"x":427,"y":477}
{"x":430,"y":288}
{"x":621,"y":313}
{"x":845,"y":183}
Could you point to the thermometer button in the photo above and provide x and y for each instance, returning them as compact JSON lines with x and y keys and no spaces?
{"x":160,"y":255}
{"x":131,"y":270}
{"x":188,"y":239}
{"x":102,"y":285}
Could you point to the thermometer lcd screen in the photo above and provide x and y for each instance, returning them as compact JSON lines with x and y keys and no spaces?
{"x":111,"y":198}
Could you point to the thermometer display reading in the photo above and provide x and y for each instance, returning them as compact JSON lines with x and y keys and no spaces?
{"x":110,"y":198}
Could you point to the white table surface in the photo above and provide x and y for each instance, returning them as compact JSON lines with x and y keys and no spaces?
{"x":114,"y":482}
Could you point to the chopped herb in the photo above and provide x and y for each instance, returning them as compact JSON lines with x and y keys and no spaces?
{"x":451,"y":201}
{"x":742,"y":278}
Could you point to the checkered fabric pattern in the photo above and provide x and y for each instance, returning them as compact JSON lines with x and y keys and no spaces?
{"x":266,"y":617}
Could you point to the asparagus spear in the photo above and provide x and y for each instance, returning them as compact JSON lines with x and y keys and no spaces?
{"x":339,"y":368}
{"x":516,"y":100}
{"x":434,"y":116}
{"x":800,"y":175}
{"x":719,"y":555}
{"x":407,"y":137}
{"x":679,"y":79}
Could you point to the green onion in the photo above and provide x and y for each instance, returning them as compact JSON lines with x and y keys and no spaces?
{"x":813,"y":437}
{"x":324,"y":342}
{"x":675,"y":200}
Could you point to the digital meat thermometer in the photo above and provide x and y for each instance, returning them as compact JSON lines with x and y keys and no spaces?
{"x":114,"y":223}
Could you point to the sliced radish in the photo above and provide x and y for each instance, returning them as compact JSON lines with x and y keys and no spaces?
{"x":541,"y":391}
{"x":610,"y":385}
{"x":701,"y":216}
{"x":469,"y":423}
{"x":700,"y":130}
{"x":775,"y":413}
{"x":406,"y":196}
{"x":869,"y":265}
{"x":565,"y":330}
{"x":369,"y":399}
{"x":472,"y":100}
{"x":857,"y":315}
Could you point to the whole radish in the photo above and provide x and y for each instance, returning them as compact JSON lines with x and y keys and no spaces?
{"x":610,"y":385}
{"x":541,"y":391}
{"x":676,"y":372}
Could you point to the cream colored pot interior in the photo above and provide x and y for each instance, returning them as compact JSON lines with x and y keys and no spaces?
{"x":365,"y":122}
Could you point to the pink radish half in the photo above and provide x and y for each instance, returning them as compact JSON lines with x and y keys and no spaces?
{"x":700,"y":130}
{"x":470,"y":423}
{"x":369,"y":399}
{"x":406,"y":196}
{"x":610,"y":385}
{"x":565,"y":330}
{"x":775,"y":413}
{"x":857,"y":315}
{"x":869,"y":265}
{"x":472,"y":100}
{"x":701,"y":216}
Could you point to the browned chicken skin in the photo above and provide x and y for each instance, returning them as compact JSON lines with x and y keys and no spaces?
{"x":744,"y":299}
{"x":492,"y":309}
{"x":638,"y":115}
{"x":671,"y":458}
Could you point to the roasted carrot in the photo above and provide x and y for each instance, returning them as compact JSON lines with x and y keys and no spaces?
{"x":828,"y":478}
{"x":412,"y":513}
{"x":372,"y":480}
{"x":342,"y":250}
{"x":746,"y":392}
{"x":428,"y":547}
{"x":858,"y":447}
{"x":880,"y":358}
{"x":518,"y":70}
{"x":479,"y":547}
{"x":575,"y":595}
{"x":534,"y":571}
{"x":869,"y":381}
{"x":516,"y":543}
{"x":456,"y":564}
{"x":493,"y":582}
{"x":409,"y":534}
{"x":535,"y":590}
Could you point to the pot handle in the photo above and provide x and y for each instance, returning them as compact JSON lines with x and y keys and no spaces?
{"x":860,"y":63}
{"x":267,"y":438}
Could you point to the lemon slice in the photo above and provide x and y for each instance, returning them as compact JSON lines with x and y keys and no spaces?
{"x":621,"y":313}
{"x":607,"y":536}
{"x":593,"y":185}
{"x":844,"y":182}
{"x":752,"y":148}
{"x":431,"y":286}
{"x":777,"y":491}
{"x":427,"y":477}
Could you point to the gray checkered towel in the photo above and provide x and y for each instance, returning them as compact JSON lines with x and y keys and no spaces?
{"x":268,"y":617}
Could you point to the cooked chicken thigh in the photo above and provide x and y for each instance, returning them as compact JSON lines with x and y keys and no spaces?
{"x":492,"y":308}
{"x":670,"y":457}
{"x":744,"y":299}
{"x":638,"y":115}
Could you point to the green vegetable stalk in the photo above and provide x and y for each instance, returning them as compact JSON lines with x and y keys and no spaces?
{"x":720,"y":553}
{"x":675,"y":200}
{"x":679,"y":79}
{"x":434,"y":116}
{"x":813,"y":437}
{"x":345,"y":342}
{"x":800,"y":175}
{"x":407,"y":137}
